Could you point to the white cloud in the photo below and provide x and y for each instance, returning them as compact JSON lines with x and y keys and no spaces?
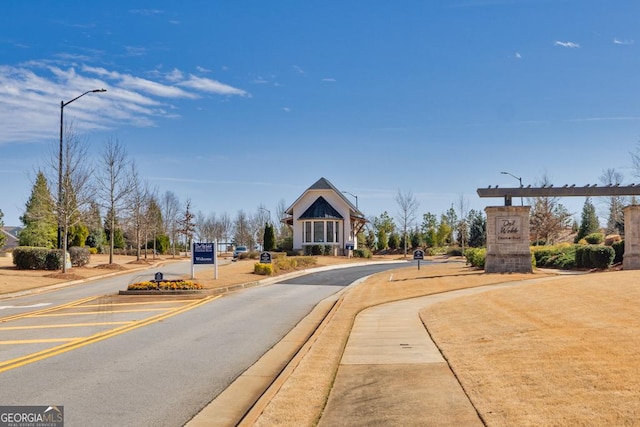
{"x":286,"y":109}
{"x":30,"y":95}
{"x":211,"y":86}
{"x":570,"y":45}
{"x":518,"y":56}
{"x":146,"y":12}
{"x":329,"y":80}
{"x":298,"y":69}
{"x":624,"y":42}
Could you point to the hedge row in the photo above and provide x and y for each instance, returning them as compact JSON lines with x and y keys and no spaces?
{"x":33,"y":258}
{"x":283,"y":264}
{"x":594,"y":256}
{"x":562,"y":256}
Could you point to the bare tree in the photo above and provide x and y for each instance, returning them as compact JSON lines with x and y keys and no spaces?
{"x":225,"y":228}
{"x":258,"y":222}
{"x":548,"y":217}
{"x":153,"y":221}
{"x":170,"y":212}
{"x":113,"y":180}
{"x":462,"y":226}
{"x":615,"y":216}
{"x":407,"y":214}
{"x":186,"y":224}
{"x":74,"y":192}
{"x":137,"y":199}
{"x":243,"y":234}
{"x":284,"y":230}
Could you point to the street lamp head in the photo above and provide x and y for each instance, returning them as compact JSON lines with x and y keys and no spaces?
{"x":98,"y":90}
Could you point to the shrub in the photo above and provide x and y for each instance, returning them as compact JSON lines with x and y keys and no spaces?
{"x":594,"y":238}
{"x":79,"y":256}
{"x":362,"y":253}
{"x":601,"y":256}
{"x":618,"y":248}
{"x":476,"y":257}
{"x":53,"y":260}
{"x":582,"y":257}
{"x":454,"y":252}
{"x":561,"y":256}
{"x":263,"y":269}
{"x":93,"y":251}
{"x":164,"y":285}
{"x":32,"y":258}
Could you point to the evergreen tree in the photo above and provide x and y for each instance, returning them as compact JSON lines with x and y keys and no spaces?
{"x":394,"y":241}
{"x":477,"y":229}
{"x":429,"y":229}
{"x":96,"y":238}
{"x":39,"y":219}
{"x":589,"y":221}
{"x":269,"y":237}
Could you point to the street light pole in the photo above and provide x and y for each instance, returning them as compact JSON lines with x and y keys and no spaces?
{"x":346,"y":192}
{"x":519,"y":179}
{"x":62,"y":105}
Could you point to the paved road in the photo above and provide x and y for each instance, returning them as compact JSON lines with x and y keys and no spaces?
{"x":162,"y":373}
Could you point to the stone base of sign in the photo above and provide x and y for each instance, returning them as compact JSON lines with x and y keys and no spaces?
{"x":508,"y":240}
{"x":514,"y":263}
{"x":631,"y":258}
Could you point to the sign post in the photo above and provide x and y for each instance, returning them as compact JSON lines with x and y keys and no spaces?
{"x":265,"y":258}
{"x":418,"y":254}
{"x":204,"y":253}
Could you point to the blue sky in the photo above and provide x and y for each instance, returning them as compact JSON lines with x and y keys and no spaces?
{"x":236,"y":104}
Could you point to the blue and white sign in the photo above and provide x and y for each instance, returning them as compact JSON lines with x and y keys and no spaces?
{"x":203,"y":253}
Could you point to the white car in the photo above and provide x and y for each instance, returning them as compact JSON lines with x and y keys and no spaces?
{"x":239,"y":250}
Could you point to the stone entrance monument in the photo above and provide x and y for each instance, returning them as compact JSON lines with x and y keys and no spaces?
{"x":631,"y":258}
{"x":508,"y":240}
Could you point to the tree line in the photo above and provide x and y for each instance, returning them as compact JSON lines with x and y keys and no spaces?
{"x":107,"y":206}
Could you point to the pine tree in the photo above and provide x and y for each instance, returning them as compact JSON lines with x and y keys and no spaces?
{"x":477,"y":229}
{"x":269,"y":237}
{"x":39,"y":218}
{"x":589,"y":221}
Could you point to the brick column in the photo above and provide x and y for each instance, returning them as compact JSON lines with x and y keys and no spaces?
{"x":631,"y":259}
{"x":508,"y":240}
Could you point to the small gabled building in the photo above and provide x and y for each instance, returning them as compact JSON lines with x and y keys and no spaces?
{"x":322,"y":215}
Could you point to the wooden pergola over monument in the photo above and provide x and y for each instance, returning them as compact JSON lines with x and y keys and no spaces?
{"x":504,"y":255}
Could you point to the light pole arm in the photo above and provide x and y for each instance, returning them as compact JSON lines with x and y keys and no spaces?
{"x":353,"y":195}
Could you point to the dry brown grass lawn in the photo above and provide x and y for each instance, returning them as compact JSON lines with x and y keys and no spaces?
{"x":301,"y":399}
{"x":561,"y":353}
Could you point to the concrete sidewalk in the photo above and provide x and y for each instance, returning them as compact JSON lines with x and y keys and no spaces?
{"x":392,"y":373}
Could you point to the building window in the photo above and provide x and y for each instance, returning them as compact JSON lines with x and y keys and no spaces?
{"x":318,"y":231}
{"x":307,"y":231}
{"x":330,"y":232}
{"x":337,"y":231}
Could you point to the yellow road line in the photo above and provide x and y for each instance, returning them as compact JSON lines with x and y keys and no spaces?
{"x":80,"y":313}
{"x":25,"y":360}
{"x":47,"y":310}
{"x":139,"y":303}
{"x":39,"y":341}
{"x":62,"y":325}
